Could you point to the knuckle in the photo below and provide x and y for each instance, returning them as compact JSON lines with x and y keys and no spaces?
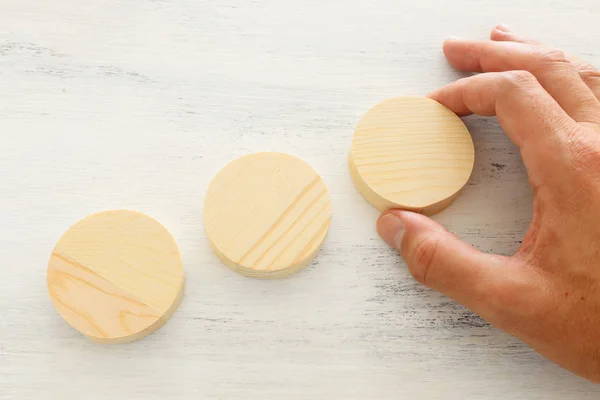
{"x":519,"y":77}
{"x":423,"y":257}
{"x":576,"y":136}
{"x":590,"y":76}
{"x":582,"y":65}
{"x":548,"y":55}
{"x":585,"y":151}
{"x":517,"y":80}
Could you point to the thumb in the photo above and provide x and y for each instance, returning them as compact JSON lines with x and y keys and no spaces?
{"x":441,"y":261}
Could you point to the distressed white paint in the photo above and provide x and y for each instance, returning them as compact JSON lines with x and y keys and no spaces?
{"x":137,"y":104}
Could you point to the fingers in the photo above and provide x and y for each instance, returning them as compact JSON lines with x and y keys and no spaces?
{"x":591,"y":78}
{"x":436,"y":258}
{"x":551,"y":68}
{"x":588,"y":73}
{"x":503,"y":33}
{"x":527,"y":112}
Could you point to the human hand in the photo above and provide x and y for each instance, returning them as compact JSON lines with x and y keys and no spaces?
{"x":548,"y":293}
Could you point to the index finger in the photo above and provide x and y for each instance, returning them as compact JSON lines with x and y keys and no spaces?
{"x":525,"y":110}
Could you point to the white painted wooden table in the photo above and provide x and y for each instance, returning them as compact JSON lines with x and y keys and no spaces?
{"x":137,"y":104}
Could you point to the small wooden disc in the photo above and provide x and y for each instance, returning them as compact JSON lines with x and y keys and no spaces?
{"x":267,"y":214}
{"x":411,"y":153}
{"x":116,"y":276}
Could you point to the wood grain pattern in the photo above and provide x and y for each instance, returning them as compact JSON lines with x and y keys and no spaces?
{"x":138,"y":104}
{"x":267,"y":214}
{"x":411,"y":153}
{"x":116,"y":276}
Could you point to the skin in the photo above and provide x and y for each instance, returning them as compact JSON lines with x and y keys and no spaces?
{"x":548,"y":293}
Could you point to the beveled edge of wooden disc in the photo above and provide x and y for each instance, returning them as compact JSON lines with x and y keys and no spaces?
{"x":267,"y":275}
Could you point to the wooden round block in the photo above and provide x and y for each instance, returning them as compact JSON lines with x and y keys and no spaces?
{"x":116,"y":276}
{"x":411,"y":153}
{"x":267,"y":214}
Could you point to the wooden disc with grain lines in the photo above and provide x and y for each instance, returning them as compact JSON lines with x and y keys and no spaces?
{"x":411,"y":153}
{"x":267,"y":214}
{"x":116,"y":276}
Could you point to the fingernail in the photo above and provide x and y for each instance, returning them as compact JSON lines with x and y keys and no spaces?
{"x":391,"y":229}
{"x":503,"y":28}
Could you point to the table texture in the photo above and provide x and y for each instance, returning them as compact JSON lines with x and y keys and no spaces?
{"x":137,"y":104}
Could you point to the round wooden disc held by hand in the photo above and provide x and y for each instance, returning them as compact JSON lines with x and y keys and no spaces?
{"x":267,"y":214}
{"x":116,"y":276}
{"x":411,"y":153}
